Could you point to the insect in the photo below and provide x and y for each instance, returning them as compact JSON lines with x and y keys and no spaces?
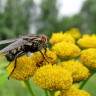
{"x":23,"y":45}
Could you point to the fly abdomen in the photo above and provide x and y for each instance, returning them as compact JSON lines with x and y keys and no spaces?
{"x":10,"y":55}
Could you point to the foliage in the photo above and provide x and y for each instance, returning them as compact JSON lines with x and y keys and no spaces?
{"x":47,"y":21}
{"x":88,"y":13}
{"x":15,"y":19}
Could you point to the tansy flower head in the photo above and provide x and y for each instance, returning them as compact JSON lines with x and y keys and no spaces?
{"x":74,"y":32}
{"x":73,"y":91}
{"x":79,"y":71}
{"x":25,"y":68}
{"x":87,"y":41}
{"x":53,"y":78}
{"x":40,"y":61}
{"x":88,"y":57}
{"x":66,"y":50}
{"x":59,"y":37}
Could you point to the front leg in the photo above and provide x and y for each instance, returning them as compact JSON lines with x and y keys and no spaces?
{"x":45,"y":48}
{"x":43,"y":55}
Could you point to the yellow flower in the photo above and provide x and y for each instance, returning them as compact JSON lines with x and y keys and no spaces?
{"x":79,"y":71}
{"x":53,"y":78}
{"x":87,"y":41}
{"x":40,"y":61}
{"x":88,"y":57}
{"x":68,"y":38}
{"x":73,"y":91}
{"x":74,"y":32}
{"x":25,"y":68}
{"x":59,"y":37}
{"x":66,"y":50}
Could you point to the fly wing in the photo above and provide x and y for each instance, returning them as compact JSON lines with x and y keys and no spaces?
{"x":8,"y":41}
{"x":14,"y":45}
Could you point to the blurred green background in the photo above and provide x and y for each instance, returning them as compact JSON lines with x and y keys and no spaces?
{"x":20,"y":17}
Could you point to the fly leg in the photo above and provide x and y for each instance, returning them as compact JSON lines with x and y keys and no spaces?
{"x":18,"y":55}
{"x":45,"y":48}
{"x":7,"y":66}
{"x":46,"y":54}
{"x":43,"y":55}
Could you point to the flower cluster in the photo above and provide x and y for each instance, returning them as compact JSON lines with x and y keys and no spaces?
{"x":73,"y":91}
{"x":50,"y":56}
{"x":87,"y":41}
{"x":25,"y":68}
{"x":88,"y":58}
{"x":74,"y":32}
{"x":66,"y":50}
{"x":60,"y":67}
{"x":59,"y":37}
{"x":53,"y":78}
{"x":78,"y":70}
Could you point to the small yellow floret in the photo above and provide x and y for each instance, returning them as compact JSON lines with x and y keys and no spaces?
{"x":66,"y":50}
{"x":59,"y":37}
{"x":73,"y":91}
{"x":74,"y":32}
{"x":87,"y":41}
{"x":57,"y":93}
{"x":88,"y":57}
{"x":40,"y":61}
{"x":53,"y":78}
{"x":79,"y":71}
{"x":25,"y":68}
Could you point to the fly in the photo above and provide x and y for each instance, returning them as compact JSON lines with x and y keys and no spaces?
{"x":23,"y":45}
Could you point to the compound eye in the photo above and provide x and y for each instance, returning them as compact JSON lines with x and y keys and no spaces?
{"x":45,"y":38}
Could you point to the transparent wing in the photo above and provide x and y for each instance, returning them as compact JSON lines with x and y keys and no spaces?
{"x":14,"y":45}
{"x":8,"y":41}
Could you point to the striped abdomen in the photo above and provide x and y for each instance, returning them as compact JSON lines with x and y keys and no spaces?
{"x":10,"y":55}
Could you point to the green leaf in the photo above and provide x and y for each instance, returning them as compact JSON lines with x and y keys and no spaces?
{"x":3,"y":79}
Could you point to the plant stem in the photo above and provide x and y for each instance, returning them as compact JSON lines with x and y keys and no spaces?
{"x":61,"y":60}
{"x":52,"y":93}
{"x":46,"y":92}
{"x":85,"y":81}
{"x":29,"y":87}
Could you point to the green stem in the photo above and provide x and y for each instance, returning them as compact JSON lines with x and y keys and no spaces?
{"x":46,"y":92}
{"x":29,"y":87}
{"x":85,"y":81}
{"x":52,"y":93}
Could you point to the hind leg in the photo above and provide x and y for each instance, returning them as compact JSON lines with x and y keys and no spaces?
{"x":16,"y":62}
{"x":7,"y":66}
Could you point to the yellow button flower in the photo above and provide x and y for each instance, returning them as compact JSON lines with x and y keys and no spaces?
{"x":79,"y":72}
{"x":74,"y":32}
{"x":66,"y":50}
{"x":59,"y":37}
{"x":25,"y":68}
{"x":53,"y":78}
{"x":87,"y":41}
{"x":73,"y":91}
{"x":88,"y":58}
{"x":40,"y":61}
